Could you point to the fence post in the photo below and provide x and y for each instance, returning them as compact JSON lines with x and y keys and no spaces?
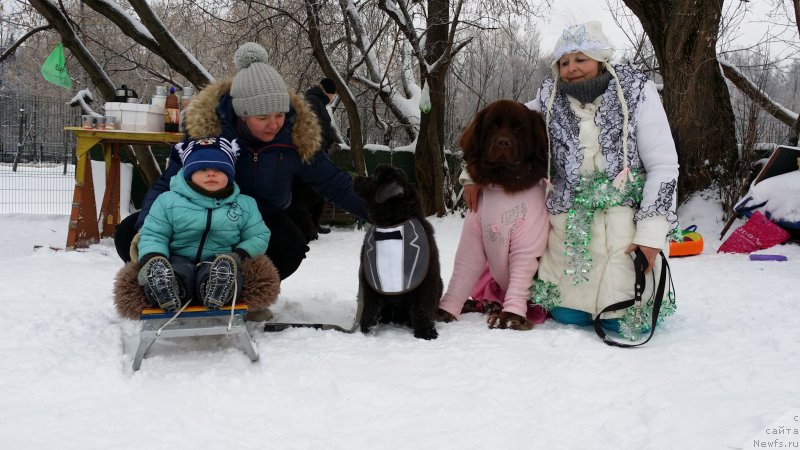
{"x":66,"y":159}
{"x":36,"y":145}
{"x":35,"y":153}
{"x":20,"y":138}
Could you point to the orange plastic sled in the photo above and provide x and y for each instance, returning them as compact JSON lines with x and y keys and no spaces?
{"x":692,"y":243}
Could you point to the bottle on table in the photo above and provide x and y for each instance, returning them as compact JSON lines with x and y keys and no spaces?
{"x":171,"y":112}
{"x":188,"y":94}
{"x":160,"y":97}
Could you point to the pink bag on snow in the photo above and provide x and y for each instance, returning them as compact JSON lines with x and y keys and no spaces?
{"x":756,"y":234}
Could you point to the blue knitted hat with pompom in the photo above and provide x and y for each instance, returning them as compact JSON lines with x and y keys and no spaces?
{"x":258,"y":89}
{"x":209,"y":153}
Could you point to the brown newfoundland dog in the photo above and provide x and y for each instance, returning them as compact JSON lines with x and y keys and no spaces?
{"x":505,"y":150}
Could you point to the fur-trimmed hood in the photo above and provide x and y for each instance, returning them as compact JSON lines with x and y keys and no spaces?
{"x":203,"y":118}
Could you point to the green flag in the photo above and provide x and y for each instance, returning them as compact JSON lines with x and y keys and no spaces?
{"x":54,"y":68}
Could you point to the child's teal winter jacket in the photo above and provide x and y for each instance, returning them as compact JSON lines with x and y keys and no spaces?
{"x":184,"y":222}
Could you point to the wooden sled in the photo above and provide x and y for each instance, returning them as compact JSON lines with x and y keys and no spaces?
{"x":193,"y":321}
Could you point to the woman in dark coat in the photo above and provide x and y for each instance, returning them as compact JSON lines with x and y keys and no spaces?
{"x":280,"y":138}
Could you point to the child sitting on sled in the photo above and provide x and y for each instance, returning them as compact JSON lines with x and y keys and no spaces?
{"x":196,"y":235}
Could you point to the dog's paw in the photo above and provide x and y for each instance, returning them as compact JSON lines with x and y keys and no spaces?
{"x":444,"y":316}
{"x":365,"y":327}
{"x":471,"y":306}
{"x":508,"y":320}
{"x":481,"y":306}
{"x":492,"y":308}
{"x":426,"y":333}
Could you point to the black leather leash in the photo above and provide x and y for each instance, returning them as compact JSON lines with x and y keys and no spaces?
{"x":639,"y":264}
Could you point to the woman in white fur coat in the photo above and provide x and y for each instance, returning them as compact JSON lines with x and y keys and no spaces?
{"x":613,"y":172}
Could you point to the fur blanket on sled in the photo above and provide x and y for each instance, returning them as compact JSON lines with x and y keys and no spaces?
{"x":261,"y":287}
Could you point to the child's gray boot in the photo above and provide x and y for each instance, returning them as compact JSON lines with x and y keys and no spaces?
{"x":159,"y":283}
{"x":219,"y":286}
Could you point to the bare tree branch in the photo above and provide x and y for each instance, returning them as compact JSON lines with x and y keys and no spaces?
{"x":10,"y":50}
{"x":170,"y":49}
{"x":401,"y":16}
{"x":752,"y":91}
{"x":459,"y":46}
{"x":151,"y":34}
{"x":126,"y":25}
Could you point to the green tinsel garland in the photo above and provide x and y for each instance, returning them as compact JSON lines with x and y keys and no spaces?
{"x":637,"y":319}
{"x":545,"y":294}
{"x":676,"y":235}
{"x":633,"y":325}
{"x":593,"y":193}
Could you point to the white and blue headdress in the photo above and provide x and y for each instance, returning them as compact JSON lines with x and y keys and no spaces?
{"x":214,"y":152}
{"x":587,"y":38}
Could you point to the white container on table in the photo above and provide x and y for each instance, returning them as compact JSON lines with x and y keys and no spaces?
{"x":137,"y":117}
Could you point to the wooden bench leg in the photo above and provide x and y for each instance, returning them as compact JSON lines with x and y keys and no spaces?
{"x":109,"y":209}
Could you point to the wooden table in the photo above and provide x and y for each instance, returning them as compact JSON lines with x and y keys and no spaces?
{"x":84,"y":229}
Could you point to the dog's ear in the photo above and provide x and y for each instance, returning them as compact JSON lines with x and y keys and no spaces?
{"x":538,"y":125}
{"x":539,"y":133}
{"x":539,"y":142}
{"x":361,"y":185}
{"x":390,"y":190}
{"x":471,"y":137}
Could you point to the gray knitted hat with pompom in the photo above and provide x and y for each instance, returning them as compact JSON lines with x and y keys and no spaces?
{"x":258,"y":89}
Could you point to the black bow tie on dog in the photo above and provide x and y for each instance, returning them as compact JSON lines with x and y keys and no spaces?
{"x":388,"y":235}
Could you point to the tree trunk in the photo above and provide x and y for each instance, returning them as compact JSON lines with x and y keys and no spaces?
{"x":795,"y":136}
{"x":696,"y":98}
{"x":429,"y":153}
{"x":353,"y":117}
{"x":795,"y":133}
{"x":144,"y":161}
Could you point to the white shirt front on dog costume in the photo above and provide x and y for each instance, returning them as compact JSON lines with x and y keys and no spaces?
{"x":390,"y":260}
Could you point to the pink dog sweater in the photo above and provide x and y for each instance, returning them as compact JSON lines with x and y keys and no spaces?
{"x":509,"y":232}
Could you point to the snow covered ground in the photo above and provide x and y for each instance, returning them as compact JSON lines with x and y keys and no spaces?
{"x":723,"y":369}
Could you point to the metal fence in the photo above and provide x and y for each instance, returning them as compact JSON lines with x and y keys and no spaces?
{"x":37,"y":157}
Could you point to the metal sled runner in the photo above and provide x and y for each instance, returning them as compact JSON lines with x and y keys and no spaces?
{"x":193,"y":321}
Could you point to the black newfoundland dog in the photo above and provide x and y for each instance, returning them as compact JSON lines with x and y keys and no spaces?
{"x":399,"y":277}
